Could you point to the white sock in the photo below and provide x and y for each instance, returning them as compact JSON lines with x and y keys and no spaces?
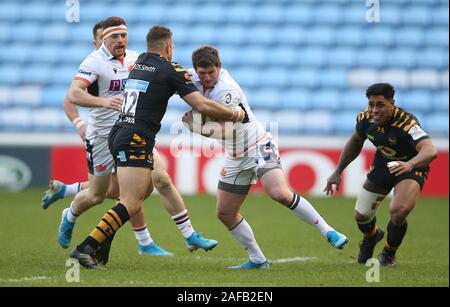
{"x":184,"y":223}
{"x":72,"y":189}
{"x":72,"y":215}
{"x":244,"y":234}
{"x":143,"y":236}
{"x":305,"y":211}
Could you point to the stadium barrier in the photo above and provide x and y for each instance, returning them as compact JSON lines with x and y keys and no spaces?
{"x":307,"y":162}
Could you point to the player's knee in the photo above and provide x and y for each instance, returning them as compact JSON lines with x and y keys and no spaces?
{"x":362,"y":218}
{"x":112,"y":194}
{"x":162,"y":182}
{"x":399,"y":214}
{"x":149,"y":191}
{"x":97,"y":199}
{"x":224,"y":215}
{"x":281,"y":195}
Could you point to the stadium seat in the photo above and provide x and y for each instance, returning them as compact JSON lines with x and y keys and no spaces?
{"x":27,"y":95}
{"x":288,"y":122}
{"x":372,"y":57}
{"x":9,"y":11}
{"x":16,"y":53}
{"x":274,"y":77}
{"x":323,"y":36}
{"x":247,"y":77}
{"x":289,"y":35}
{"x":436,"y":124}
{"x":9,"y":74}
{"x":35,"y":11}
{"x":341,"y":57}
{"x":353,"y":101}
{"x":264,"y":98}
{"x":317,"y":122}
{"x":415,"y":100}
{"x":424,"y":78}
{"x":298,"y":13}
{"x":325,"y":100}
{"x":379,"y":36}
{"x":437,"y":36}
{"x":436,"y":58}
{"x":417,"y":15}
{"x":327,"y":14}
{"x":269,"y":14}
{"x":296,"y":99}
{"x":362,"y":77}
{"x":312,"y":56}
{"x":401,"y":58}
{"x":264,"y":35}
{"x":351,"y":36}
{"x":390,"y":14}
{"x":151,"y":13}
{"x":54,"y":96}
{"x":344,"y":122}
{"x":232,"y":34}
{"x":305,"y":77}
{"x":440,"y":101}
{"x":45,"y":119}
{"x":355,"y":14}
{"x":35,"y":74}
{"x":439,"y":15}
{"x":409,"y":36}
{"x":238,"y":14}
{"x":26,"y":32}
{"x":398,"y":77}
{"x":335,"y":78}
{"x":16,"y":118}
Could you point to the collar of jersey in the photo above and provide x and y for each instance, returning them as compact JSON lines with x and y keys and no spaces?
{"x":104,"y":51}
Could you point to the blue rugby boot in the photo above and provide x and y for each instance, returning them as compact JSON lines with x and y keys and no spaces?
{"x":56,"y":190}
{"x":336,"y":239}
{"x":196,"y":241}
{"x":65,"y":230}
{"x":250,"y":265}
{"x":153,"y":250}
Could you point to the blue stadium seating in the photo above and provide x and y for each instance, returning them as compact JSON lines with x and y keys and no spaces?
{"x":297,"y":60}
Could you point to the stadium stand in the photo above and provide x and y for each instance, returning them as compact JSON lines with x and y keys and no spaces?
{"x":305,"y":62}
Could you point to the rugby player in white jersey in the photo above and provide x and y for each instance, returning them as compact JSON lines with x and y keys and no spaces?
{"x":98,"y":72}
{"x":250,"y":153}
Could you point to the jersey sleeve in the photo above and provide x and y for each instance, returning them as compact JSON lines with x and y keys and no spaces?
{"x":180,"y":80}
{"x":361,"y":124}
{"x":413,"y":131}
{"x":230,"y":98}
{"x":88,"y":70}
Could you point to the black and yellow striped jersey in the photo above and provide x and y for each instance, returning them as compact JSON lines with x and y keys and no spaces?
{"x":395,"y":140}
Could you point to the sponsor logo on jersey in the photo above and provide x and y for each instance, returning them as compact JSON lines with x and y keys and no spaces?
{"x":117,"y":85}
{"x":83,"y":72}
{"x":416,"y":132}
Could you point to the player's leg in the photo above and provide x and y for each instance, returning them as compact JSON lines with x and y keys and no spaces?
{"x":233,"y":188}
{"x":134,"y":184}
{"x":146,"y":245}
{"x":274,"y":182}
{"x":58,"y":190}
{"x":83,"y":201}
{"x":367,"y":204}
{"x":406,"y":194}
{"x":174,"y":205}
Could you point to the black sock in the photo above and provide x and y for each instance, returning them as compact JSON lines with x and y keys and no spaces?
{"x":106,"y":229}
{"x":395,"y":236}
{"x":369,"y":228}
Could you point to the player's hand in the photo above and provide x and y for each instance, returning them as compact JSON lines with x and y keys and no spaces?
{"x":114,"y":103}
{"x":188,"y":120}
{"x":333,"y":184}
{"x":238,"y":115}
{"x":400,"y":168}
{"x":82,"y":132}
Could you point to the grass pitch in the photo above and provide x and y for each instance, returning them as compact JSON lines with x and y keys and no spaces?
{"x":30,"y":255}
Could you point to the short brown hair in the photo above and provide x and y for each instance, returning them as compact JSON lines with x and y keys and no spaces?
{"x":98,"y":25}
{"x":157,"y":36}
{"x":206,"y":56}
{"x":113,"y":22}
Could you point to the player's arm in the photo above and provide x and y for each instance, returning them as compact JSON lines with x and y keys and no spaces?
{"x":212,"y":109}
{"x":78,"y":95}
{"x":351,"y":151}
{"x":426,"y":152}
{"x":219,"y":130}
{"x":72,"y":113}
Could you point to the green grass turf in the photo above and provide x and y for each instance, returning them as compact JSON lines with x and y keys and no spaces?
{"x":30,"y":255}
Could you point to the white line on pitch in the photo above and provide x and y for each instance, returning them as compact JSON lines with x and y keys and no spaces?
{"x":295,"y":259}
{"x":38,"y":278}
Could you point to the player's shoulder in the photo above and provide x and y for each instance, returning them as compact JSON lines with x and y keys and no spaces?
{"x":364,"y":117}
{"x":403,"y":120}
{"x":226,"y":83}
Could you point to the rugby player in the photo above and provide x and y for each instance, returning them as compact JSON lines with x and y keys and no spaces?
{"x":404,"y":152}
{"x":251,"y":154}
{"x":152,"y":81}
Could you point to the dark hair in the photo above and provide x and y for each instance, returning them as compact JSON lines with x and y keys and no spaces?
{"x":98,"y":25}
{"x":381,"y":89}
{"x":206,"y":56}
{"x":113,"y":21}
{"x":157,"y":36}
